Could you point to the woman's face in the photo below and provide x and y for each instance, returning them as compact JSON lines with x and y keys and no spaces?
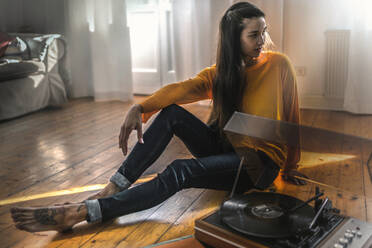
{"x":252,"y":37}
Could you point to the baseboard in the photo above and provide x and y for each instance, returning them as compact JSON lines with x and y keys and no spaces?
{"x":306,"y":102}
{"x":114,"y":95}
{"x":321,"y":102}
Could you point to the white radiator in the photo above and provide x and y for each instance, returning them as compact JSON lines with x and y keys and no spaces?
{"x":337,"y":57}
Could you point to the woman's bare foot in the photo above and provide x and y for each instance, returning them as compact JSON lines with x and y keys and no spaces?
{"x":58,"y":218}
{"x":110,"y":189}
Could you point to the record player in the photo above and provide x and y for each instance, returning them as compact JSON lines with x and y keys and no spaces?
{"x":271,"y":219}
{"x":264,"y":219}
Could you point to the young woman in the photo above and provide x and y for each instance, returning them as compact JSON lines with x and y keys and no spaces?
{"x":245,"y":79}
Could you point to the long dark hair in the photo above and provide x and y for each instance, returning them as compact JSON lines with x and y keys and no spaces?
{"x":228,"y":84}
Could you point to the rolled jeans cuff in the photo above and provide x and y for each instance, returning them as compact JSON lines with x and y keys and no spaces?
{"x":94,"y":211}
{"x":120,"y":181}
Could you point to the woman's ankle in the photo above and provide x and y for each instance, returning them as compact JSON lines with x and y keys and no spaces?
{"x":76,"y":212}
{"x":112,"y":188}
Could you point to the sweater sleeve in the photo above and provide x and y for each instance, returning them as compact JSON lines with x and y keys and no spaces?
{"x":291,"y":111}
{"x":188,"y":91}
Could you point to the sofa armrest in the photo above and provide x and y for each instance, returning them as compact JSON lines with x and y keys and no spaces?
{"x":56,"y":59}
{"x":55,"y":52}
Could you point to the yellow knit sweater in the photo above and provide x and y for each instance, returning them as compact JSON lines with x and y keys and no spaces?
{"x":271,"y":92}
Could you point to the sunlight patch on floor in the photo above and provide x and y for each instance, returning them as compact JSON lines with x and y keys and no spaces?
{"x":312,"y":159}
{"x":65,"y":192}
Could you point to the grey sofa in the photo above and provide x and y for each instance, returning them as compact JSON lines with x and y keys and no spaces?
{"x":37,"y":79}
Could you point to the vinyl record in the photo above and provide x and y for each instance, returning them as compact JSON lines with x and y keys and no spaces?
{"x":265,"y":214}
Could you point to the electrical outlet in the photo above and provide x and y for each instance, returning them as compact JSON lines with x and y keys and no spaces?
{"x":300,"y":71}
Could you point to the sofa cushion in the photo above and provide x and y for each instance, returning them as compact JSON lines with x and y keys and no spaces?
{"x":38,"y":46}
{"x":9,"y":71}
{"x":27,"y":47}
{"x":17,"y":48}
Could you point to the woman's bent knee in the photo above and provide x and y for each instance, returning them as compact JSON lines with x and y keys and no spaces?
{"x":172,"y":111}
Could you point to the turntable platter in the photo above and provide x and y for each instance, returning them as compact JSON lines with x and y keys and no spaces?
{"x":266,"y":214}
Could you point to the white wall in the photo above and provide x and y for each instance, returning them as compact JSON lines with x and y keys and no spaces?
{"x":39,"y":16}
{"x":10,"y":15}
{"x":305,"y":23}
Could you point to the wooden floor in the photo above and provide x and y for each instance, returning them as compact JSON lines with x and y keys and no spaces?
{"x":63,"y":154}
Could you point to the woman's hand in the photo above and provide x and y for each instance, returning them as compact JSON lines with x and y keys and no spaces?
{"x":291,"y":177}
{"x":132,"y":121}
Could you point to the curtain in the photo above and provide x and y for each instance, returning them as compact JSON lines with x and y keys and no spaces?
{"x":359,"y":85}
{"x":99,"y":49}
{"x":192,"y":37}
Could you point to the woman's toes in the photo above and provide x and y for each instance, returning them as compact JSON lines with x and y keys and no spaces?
{"x":22,"y":218}
{"x":18,"y":210}
{"x":15,"y":210}
{"x":20,"y":214}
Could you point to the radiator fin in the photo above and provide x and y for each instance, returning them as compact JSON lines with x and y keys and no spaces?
{"x":337,"y":57}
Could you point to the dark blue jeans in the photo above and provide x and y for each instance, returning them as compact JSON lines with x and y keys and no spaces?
{"x":213,"y":166}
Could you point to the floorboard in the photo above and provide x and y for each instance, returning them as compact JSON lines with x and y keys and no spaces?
{"x":75,"y":146}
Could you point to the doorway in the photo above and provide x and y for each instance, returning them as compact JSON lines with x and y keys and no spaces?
{"x":152,"y":46}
